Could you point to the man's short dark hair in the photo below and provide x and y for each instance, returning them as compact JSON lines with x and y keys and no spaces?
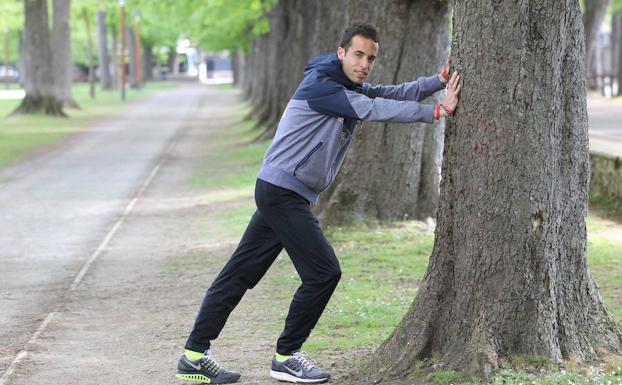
{"x":363,"y":29}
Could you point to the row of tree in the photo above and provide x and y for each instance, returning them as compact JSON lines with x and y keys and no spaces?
{"x":407,"y":158}
{"x":48,"y":42}
{"x":508,"y":274}
{"x":411,"y":159}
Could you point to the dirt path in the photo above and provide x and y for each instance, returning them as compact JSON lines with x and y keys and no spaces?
{"x":127,"y":320}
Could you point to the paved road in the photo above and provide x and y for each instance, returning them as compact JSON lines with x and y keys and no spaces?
{"x":605,"y":119}
{"x":57,"y":208}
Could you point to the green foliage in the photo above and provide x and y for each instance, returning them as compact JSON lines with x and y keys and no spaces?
{"x":11,"y":19}
{"x":226,"y":24}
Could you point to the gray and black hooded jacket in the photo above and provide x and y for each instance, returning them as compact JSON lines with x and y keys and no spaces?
{"x":316,"y":128}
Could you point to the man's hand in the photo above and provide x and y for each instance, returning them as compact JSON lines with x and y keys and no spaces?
{"x":453,"y":89}
{"x":444,"y":75}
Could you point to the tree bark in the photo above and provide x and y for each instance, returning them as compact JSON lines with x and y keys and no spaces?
{"x":38,"y":79}
{"x":508,"y":272}
{"x":291,"y":37}
{"x":104,"y":62}
{"x":392,"y":171}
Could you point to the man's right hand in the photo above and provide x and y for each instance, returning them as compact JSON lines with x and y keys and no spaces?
{"x":453,"y":89}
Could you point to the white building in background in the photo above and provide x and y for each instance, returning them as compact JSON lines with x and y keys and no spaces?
{"x":215,"y":68}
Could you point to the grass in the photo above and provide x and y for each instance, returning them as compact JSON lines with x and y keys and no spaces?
{"x":444,"y":377}
{"x":382,"y":267}
{"x":22,"y":135}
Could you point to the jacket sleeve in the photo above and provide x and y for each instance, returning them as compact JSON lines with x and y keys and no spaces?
{"x":352,"y":105}
{"x":416,"y":90}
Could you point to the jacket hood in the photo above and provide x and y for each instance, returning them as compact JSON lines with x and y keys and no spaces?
{"x":329,"y":65}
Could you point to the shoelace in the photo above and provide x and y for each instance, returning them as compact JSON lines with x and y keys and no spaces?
{"x":304,"y":361}
{"x":211,"y":364}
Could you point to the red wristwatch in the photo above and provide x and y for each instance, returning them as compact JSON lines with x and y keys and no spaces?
{"x":437,"y":111}
{"x":445,"y":74}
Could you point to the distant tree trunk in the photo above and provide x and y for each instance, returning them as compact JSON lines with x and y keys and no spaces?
{"x":104,"y":62}
{"x":131,"y":44}
{"x":617,"y":43}
{"x":508,"y":272}
{"x":249,"y":70}
{"x":42,"y":94}
{"x":392,"y":171}
{"x":20,"y":61}
{"x":148,"y":62}
{"x":116,"y":81}
{"x":172,"y":59}
{"x":89,"y":45}
{"x":235,"y":66}
{"x":61,"y":52}
{"x":595,"y":11}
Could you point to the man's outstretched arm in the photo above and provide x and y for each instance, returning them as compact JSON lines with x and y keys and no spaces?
{"x":414,"y":91}
{"x":353,"y":105}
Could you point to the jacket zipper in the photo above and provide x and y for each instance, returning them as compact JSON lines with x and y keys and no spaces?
{"x":306,"y":158}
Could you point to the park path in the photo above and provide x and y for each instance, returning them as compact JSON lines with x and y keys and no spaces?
{"x":61,"y":210}
{"x":605,"y":121}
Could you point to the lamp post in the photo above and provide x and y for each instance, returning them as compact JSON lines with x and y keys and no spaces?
{"x":122,"y":53}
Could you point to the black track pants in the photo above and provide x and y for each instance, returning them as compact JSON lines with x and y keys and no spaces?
{"x":283,"y":220}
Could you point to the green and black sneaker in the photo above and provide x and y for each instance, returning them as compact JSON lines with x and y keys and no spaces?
{"x":205,"y":370}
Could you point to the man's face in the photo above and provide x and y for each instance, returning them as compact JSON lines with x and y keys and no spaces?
{"x":358,"y":61}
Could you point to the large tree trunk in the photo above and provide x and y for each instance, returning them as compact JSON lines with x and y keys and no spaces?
{"x":508,"y":272}
{"x":595,"y":11}
{"x":294,"y":36}
{"x":392,"y":171}
{"x":38,"y":78}
{"x":104,"y":63}
{"x":61,"y":52}
{"x":267,"y":110}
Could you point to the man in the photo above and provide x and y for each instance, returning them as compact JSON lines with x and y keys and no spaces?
{"x":310,"y":144}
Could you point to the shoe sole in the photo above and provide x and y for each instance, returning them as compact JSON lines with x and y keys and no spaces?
{"x":195,"y":377}
{"x":289,"y":378}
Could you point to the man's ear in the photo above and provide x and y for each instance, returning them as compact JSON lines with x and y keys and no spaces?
{"x":341,"y":53}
